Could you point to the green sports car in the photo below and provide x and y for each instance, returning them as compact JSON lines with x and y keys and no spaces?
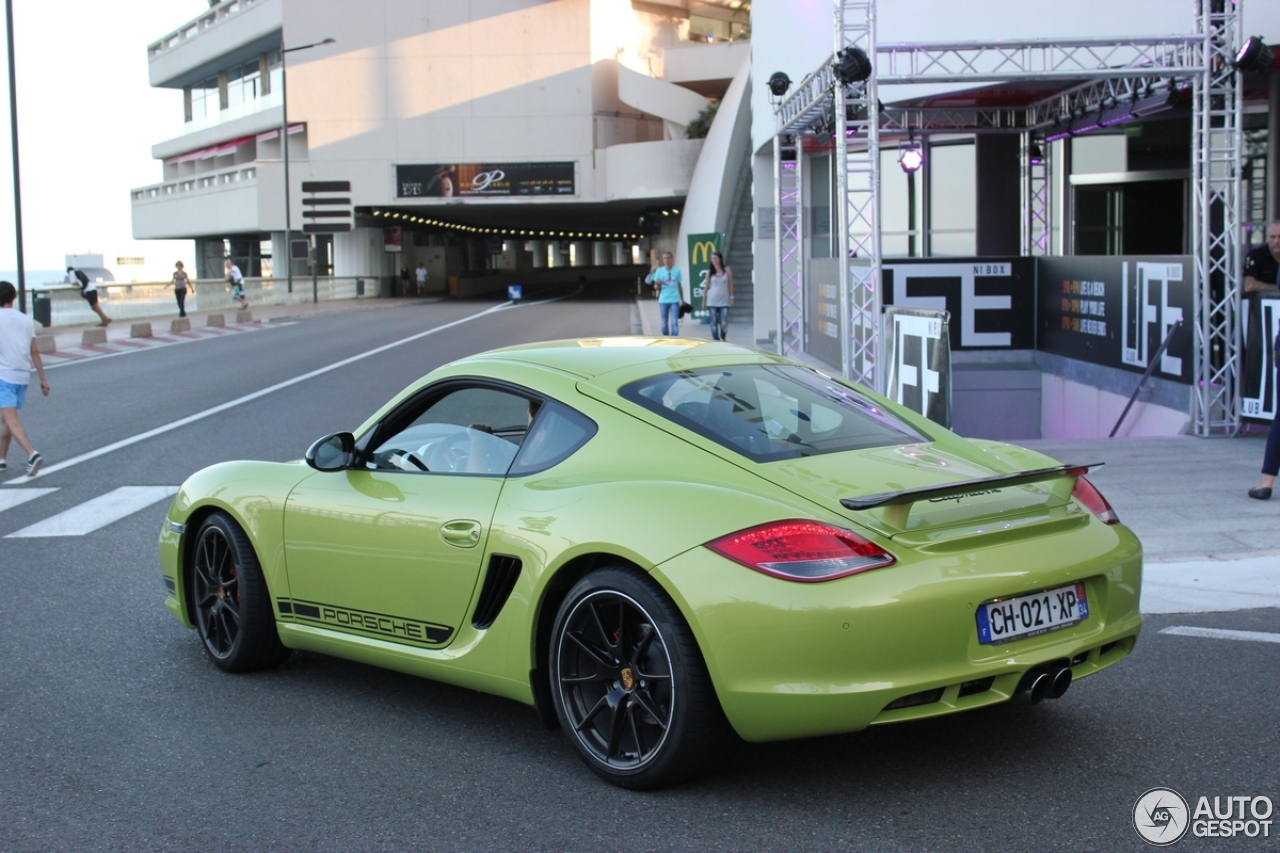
{"x":662,"y":543}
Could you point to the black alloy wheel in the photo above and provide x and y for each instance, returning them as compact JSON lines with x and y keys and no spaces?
{"x":630,"y":685}
{"x":229,"y":599}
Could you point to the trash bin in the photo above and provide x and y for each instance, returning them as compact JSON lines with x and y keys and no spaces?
{"x":359,"y":287}
{"x":42,"y":308}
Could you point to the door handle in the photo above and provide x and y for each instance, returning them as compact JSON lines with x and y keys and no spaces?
{"x":462,"y":533}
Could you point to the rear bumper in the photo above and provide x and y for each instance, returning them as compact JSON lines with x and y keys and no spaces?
{"x":796,"y":660}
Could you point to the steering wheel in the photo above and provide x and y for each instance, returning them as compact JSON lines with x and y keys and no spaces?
{"x":405,"y":460}
{"x":450,"y":453}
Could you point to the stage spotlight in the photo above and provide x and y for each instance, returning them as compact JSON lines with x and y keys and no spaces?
{"x":1254,"y":55}
{"x":852,"y":65}
{"x":1036,"y":154}
{"x":911,"y":159}
{"x":779,"y":83}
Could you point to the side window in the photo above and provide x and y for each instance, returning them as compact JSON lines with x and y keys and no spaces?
{"x":468,"y":431}
{"x":554,"y":436}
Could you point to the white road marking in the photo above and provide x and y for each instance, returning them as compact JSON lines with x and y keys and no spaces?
{"x":1222,"y":634}
{"x":10,"y":499}
{"x":99,"y":512}
{"x":239,"y":401}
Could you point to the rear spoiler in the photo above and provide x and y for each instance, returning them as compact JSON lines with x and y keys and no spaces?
{"x":967,"y":487}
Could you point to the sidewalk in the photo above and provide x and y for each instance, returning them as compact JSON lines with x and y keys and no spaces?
{"x":68,"y":338}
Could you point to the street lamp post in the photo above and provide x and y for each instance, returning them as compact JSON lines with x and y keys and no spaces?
{"x":17,"y":189}
{"x":284,"y":147}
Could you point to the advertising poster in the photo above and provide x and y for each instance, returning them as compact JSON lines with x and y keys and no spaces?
{"x":1116,"y":311}
{"x":700,"y":248}
{"x":392,"y":238}
{"x":822,"y":313}
{"x":462,"y":180}
{"x":991,"y":300}
{"x":1261,"y":321}
{"x":919,"y":361}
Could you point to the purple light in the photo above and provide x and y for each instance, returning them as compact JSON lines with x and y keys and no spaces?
{"x":911,"y":159}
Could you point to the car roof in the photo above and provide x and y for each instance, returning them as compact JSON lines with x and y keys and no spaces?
{"x":592,"y":357}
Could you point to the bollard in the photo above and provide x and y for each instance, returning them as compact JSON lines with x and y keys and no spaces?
{"x":244,"y":315}
{"x":182,"y":324}
{"x":93,"y":336}
{"x":46,"y":343}
{"x":140,"y":330}
{"x":217,"y":320}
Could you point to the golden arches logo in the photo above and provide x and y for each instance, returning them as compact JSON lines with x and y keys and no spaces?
{"x":703,"y":248}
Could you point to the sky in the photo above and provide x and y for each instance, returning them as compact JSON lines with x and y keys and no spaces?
{"x":87,"y":119}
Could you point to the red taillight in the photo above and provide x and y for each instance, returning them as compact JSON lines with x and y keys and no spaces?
{"x":802,"y":551}
{"x":1093,"y":499}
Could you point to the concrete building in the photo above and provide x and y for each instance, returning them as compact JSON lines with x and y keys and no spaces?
{"x":483,"y":140}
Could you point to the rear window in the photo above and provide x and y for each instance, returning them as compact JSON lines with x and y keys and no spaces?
{"x":769,"y":412}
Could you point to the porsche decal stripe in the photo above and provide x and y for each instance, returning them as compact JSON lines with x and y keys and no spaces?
{"x":398,"y":628}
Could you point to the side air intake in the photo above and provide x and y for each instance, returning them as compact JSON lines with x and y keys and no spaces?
{"x":498,"y":583}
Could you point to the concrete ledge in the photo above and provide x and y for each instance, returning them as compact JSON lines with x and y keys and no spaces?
{"x":217,"y":320}
{"x":46,"y":343}
{"x":244,"y":315}
{"x":182,"y":324}
{"x":140,"y":330}
{"x":93,"y":336}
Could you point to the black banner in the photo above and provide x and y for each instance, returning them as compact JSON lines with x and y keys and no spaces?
{"x":1261,"y":319}
{"x":1117,"y":310}
{"x":991,"y":300}
{"x":484,"y":179}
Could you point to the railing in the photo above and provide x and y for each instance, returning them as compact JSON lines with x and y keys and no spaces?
{"x":155,"y":299}
{"x":213,"y":17}
{"x":236,"y":176}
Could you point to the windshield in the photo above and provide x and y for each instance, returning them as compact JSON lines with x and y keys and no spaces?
{"x":769,"y":412}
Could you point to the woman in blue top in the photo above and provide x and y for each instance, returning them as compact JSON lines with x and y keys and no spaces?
{"x":666,"y":286}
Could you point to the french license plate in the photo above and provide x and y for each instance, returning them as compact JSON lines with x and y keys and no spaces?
{"x":1029,"y":615}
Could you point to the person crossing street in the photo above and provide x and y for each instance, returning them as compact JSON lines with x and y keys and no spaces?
{"x":18,"y":354}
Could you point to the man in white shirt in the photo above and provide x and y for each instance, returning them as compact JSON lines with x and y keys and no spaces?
{"x":421,"y":274}
{"x":18,"y":353}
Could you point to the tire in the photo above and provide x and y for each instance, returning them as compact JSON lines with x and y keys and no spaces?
{"x":630,"y":686}
{"x":230,"y":603}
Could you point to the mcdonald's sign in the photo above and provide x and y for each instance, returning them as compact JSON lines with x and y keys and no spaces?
{"x":700,"y":248}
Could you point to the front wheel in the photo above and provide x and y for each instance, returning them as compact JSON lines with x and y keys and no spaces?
{"x":230,"y":601}
{"x":630,"y":685}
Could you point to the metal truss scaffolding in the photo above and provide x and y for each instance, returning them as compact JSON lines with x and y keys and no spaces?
{"x":1116,"y":80}
{"x":788,"y":228}
{"x":1217,"y":110}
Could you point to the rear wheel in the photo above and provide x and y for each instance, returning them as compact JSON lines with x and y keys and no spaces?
{"x":630,"y":685}
{"x":229,"y":598}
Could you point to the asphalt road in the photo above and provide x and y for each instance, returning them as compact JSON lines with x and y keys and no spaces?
{"x":116,"y":733}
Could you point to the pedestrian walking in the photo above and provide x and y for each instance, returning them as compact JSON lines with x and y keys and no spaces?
{"x":236,"y":279}
{"x":404,"y":281}
{"x":18,"y":354}
{"x":719,"y":296}
{"x":89,"y":291}
{"x":421,"y":275}
{"x":1262,"y":275}
{"x":667,"y":287}
{"x":181,"y":283}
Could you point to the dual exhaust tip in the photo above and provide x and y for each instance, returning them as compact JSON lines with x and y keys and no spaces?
{"x":1049,"y":683}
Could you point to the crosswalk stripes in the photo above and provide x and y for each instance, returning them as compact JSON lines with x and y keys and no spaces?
{"x":89,"y":516}
{"x":119,"y":346}
{"x":10,"y":498}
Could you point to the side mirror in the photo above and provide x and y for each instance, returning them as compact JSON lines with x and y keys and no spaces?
{"x":333,"y":452}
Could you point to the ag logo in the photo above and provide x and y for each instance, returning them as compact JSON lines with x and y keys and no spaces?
{"x":1160,"y":816}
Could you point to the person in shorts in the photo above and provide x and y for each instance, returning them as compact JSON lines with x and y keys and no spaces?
{"x":236,"y":279}
{"x":18,"y":353}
